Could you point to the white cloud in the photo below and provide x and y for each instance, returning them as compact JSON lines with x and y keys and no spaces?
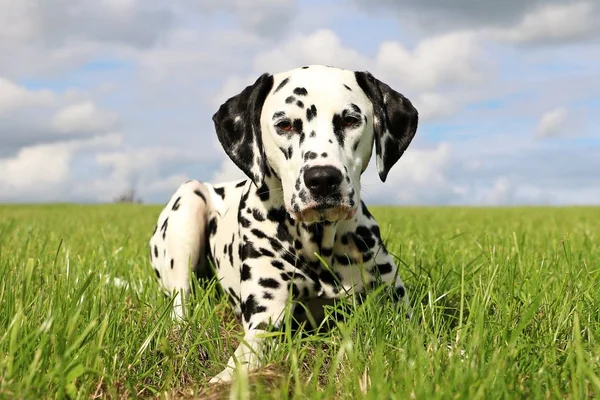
{"x":552,"y":123}
{"x":13,"y":96}
{"x":553,"y":23}
{"x":433,"y":105}
{"x":437,"y":61}
{"x":43,"y":172}
{"x":227,"y":172}
{"x":500,"y":193}
{"x":126,"y":165}
{"x":54,"y":22}
{"x":84,"y":117}
{"x":420,"y":176}
{"x":31,"y":117}
{"x":320,"y":47}
{"x":266,"y":17}
{"x":160,"y":186}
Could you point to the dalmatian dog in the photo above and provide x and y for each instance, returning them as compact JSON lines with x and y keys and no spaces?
{"x":296,"y":233}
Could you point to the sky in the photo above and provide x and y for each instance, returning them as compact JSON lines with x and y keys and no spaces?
{"x":98,"y":96}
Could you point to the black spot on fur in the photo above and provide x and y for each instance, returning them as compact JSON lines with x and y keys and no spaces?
{"x":278,"y":114}
{"x":155,"y":251}
{"x":266,"y":253}
{"x":212,"y":226}
{"x":300,"y":91}
{"x":234,"y":295}
{"x":365,"y":240}
{"x":300,"y":104}
{"x":303,"y":195}
{"x":249,"y":251}
{"x":311,"y":112}
{"x":343,"y":260}
{"x":294,"y":289}
{"x":220,"y":191}
{"x":383,"y":269}
{"x":313,"y":134}
{"x":347,"y":87}
{"x":356,"y":144}
{"x":267,"y":296}
{"x":164,"y":226}
{"x":338,"y":129}
{"x":277,"y":215}
{"x":324,"y":155}
{"x":287,"y":152}
{"x":305,"y":67}
{"x":258,"y":233}
{"x":283,"y":234}
{"x":263,"y":192}
{"x":240,"y":184}
{"x":157,"y":273}
{"x":245,"y":273}
{"x":230,"y":252}
{"x":172,"y":263}
{"x":251,"y":307}
{"x":290,"y":99}
{"x":376,"y":232}
{"x":282,"y":84}
{"x":399,"y":292}
{"x":244,"y":199}
{"x":297,"y":124}
{"x":277,"y":264}
{"x":176,"y":204}
{"x":289,"y":258}
{"x":326,"y":251}
{"x":199,"y":193}
{"x":269,"y":283}
{"x":301,"y":140}
{"x":310,"y":155}
{"x":245,"y":222}
{"x":257,"y":215}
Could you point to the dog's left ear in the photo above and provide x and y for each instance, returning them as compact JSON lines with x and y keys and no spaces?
{"x":237,"y":123}
{"x":395,"y":121}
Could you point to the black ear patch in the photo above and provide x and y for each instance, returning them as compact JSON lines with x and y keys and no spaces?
{"x":237,"y":123}
{"x":395,"y":121}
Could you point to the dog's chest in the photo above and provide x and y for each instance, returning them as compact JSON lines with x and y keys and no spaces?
{"x":248,"y":224}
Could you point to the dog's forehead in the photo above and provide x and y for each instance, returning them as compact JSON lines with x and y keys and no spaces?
{"x":316,"y":82}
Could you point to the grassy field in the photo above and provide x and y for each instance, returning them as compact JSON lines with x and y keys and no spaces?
{"x":506,"y":305}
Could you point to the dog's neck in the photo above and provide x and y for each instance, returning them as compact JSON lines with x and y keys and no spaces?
{"x":316,"y":237}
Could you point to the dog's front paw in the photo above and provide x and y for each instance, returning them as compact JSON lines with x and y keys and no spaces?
{"x":224,"y":376}
{"x":228,"y":374}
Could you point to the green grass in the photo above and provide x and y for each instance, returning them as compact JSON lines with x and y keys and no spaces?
{"x":506,"y":305}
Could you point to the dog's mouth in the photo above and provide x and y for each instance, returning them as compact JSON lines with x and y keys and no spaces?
{"x":323,"y":212}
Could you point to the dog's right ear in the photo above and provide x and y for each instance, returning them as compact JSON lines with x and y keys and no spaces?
{"x":237,"y":123}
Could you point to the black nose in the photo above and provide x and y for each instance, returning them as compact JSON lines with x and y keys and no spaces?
{"x":322,"y":181}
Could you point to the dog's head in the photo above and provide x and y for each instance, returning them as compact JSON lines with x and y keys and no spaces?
{"x":314,"y":128}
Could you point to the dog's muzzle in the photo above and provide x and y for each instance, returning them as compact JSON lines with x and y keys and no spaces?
{"x":324,"y":186}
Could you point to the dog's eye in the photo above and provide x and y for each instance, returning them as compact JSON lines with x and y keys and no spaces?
{"x":285,"y":125}
{"x":349,"y":121}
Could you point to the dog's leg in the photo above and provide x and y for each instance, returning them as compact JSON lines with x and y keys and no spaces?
{"x":178,"y":244}
{"x":386,"y":266}
{"x":266,"y":288}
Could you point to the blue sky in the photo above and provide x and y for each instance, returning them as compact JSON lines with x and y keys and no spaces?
{"x":96,"y":97}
